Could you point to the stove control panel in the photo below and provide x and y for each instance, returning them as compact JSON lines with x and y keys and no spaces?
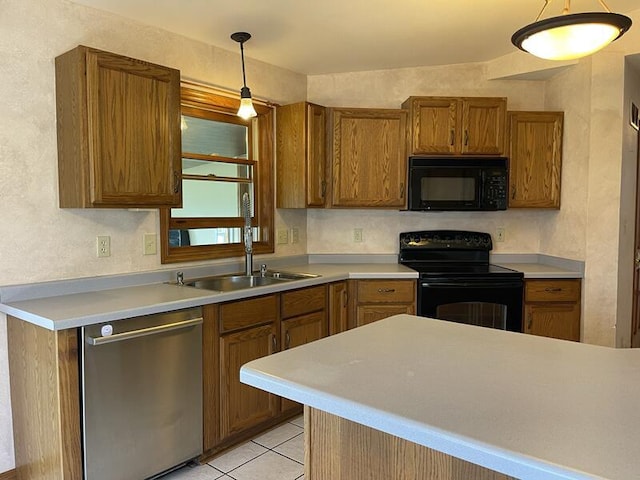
{"x":445,"y":239}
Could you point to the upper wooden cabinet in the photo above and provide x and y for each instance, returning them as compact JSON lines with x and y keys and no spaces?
{"x":456,"y":126}
{"x":301,"y":156}
{"x":118,"y":131}
{"x":368,"y":157}
{"x":535,"y":159}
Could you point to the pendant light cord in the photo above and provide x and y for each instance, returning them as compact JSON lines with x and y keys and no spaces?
{"x":244,"y":79}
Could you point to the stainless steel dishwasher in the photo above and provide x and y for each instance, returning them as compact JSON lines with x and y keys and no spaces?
{"x":141,"y":395}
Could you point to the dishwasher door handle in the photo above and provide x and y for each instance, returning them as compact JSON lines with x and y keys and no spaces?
{"x":143,"y":332}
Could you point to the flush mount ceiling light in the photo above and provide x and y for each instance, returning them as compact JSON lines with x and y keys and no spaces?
{"x":246,"y":109}
{"x":570,"y":36}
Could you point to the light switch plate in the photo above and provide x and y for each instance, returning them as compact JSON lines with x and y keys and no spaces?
{"x":295,"y":235}
{"x":150,"y":246}
{"x":283,"y":236}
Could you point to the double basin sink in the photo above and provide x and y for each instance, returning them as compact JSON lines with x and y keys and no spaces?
{"x":230,"y":283}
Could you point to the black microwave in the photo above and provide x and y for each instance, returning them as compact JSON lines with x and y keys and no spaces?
{"x":455,"y":183}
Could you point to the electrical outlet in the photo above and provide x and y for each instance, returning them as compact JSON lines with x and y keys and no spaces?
{"x":150,"y":246}
{"x":295,"y":235}
{"x":283,"y":236}
{"x":103,"y":243}
{"x":357,"y":235}
{"x":500,"y":234}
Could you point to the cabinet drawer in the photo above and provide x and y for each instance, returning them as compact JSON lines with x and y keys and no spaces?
{"x":552,"y":290}
{"x":386,"y":291}
{"x":245,"y":313}
{"x":305,"y":300}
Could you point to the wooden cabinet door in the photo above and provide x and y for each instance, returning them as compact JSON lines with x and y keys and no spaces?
{"x":483,"y":126}
{"x":242,"y":406}
{"x":301,"y":153}
{"x":119,"y":139}
{"x":535,"y":159}
{"x":556,"y":320}
{"x":368,"y":158}
{"x":338,"y":307}
{"x":299,"y":331}
{"x":435,"y":125}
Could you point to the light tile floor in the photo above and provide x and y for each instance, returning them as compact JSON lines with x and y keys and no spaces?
{"x":275,"y":455}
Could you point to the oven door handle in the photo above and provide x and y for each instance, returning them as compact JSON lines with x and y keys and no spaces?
{"x":471,"y":284}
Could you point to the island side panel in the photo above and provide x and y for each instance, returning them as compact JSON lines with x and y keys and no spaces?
{"x":343,"y":450}
{"x":45,"y":401}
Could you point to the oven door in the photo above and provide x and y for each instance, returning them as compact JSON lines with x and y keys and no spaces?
{"x":495,"y":303}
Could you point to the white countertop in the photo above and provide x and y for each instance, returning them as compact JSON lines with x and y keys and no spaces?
{"x":59,"y":312}
{"x":540,"y":270}
{"x":527,"y":406}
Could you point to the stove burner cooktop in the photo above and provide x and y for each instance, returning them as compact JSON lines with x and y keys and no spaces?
{"x":449,"y":253}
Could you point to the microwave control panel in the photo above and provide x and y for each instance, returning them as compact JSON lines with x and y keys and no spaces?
{"x":495,"y":190}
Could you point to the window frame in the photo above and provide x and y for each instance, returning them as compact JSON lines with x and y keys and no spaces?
{"x":205,"y":102}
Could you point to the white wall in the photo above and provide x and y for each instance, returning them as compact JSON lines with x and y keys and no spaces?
{"x":40,"y":241}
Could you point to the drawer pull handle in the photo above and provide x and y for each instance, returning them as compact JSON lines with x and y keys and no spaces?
{"x":530,"y":322}
{"x":553,"y":289}
{"x":274,"y":343}
{"x":386,"y":290}
{"x":287,"y":340}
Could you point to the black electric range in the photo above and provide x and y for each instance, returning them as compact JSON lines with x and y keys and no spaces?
{"x":457,"y":282}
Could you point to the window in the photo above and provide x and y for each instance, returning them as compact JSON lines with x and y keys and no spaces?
{"x":223,"y":157}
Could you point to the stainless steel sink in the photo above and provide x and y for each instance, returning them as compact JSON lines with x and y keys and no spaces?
{"x":229,"y":283}
{"x":233,"y":282}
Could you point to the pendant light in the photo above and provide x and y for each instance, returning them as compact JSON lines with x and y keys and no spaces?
{"x":246,"y":109}
{"x":570,"y":36}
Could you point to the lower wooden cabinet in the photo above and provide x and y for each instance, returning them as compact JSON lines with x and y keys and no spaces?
{"x":237,"y":332}
{"x":304,"y":319}
{"x":373,"y":300}
{"x":552,"y":308}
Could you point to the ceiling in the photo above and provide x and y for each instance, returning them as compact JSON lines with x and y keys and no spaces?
{"x":331,"y":36}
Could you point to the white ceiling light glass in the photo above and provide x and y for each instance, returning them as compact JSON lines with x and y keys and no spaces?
{"x":246,"y":109}
{"x":570,"y":36}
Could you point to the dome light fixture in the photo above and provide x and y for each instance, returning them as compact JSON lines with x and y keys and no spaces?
{"x":246,"y":109}
{"x":571,"y":36}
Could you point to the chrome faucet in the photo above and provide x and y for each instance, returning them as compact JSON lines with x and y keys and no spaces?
{"x":248,"y":235}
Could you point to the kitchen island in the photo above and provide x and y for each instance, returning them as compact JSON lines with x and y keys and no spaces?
{"x":419,"y":398}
